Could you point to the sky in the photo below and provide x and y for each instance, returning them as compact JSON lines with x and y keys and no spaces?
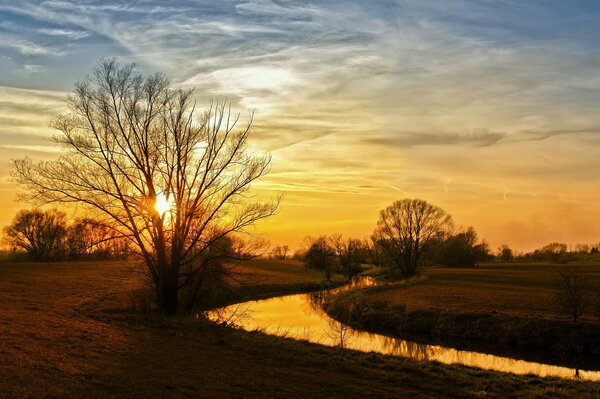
{"x":488,"y":109}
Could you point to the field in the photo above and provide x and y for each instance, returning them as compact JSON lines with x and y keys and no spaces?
{"x":505,"y":309}
{"x":66,"y":332}
{"x":518,"y":289}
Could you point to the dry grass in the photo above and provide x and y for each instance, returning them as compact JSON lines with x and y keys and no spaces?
{"x":63,"y":333}
{"x":281,"y":272}
{"x":516,"y":289}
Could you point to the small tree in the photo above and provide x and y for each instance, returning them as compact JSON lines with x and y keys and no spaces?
{"x":404,"y":231}
{"x":460,"y":249}
{"x":280,"y":252}
{"x":39,"y":233}
{"x":505,"y":253}
{"x":321,"y":256}
{"x":574,"y":292}
{"x":349,"y":253}
{"x":88,"y":237}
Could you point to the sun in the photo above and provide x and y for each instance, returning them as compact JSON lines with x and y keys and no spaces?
{"x":162,"y":204}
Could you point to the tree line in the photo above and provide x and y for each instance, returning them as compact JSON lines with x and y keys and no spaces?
{"x":410,"y":233}
{"x":48,"y":235}
{"x":556,"y":252}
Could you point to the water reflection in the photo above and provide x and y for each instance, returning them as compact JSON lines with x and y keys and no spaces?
{"x":301,"y":317}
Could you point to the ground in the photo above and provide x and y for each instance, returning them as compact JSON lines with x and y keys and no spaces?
{"x":516,"y":288}
{"x":65,"y":332}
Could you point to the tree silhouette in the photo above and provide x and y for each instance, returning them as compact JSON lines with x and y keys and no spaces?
{"x":321,"y":256}
{"x":404,"y":231}
{"x":172,"y":181}
{"x":574,"y":290}
{"x":39,"y":233}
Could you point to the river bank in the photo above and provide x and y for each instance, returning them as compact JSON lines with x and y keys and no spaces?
{"x":80,"y":341}
{"x":553,"y":341}
{"x":509,"y":309}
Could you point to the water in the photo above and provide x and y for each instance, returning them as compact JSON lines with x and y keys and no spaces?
{"x":301,"y":317}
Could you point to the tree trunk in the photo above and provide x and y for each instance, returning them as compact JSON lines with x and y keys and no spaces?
{"x":167,"y":299}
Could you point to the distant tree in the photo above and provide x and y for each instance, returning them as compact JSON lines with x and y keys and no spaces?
{"x":38,"y":233}
{"x":483,"y":252}
{"x":321,"y":256}
{"x":582,"y":248}
{"x":552,"y":252}
{"x":574,"y":292}
{"x":280,"y":252}
{"x":375,"y":251}
{"x":405,"y":229}
{"x":88,"y":237}
{"x":505,"y":253}
{"x":141,"y":158}
{"x":349,"y":253}
{"x":461,"y":249}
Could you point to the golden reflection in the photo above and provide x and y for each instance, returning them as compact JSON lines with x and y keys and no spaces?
{"x":301,"y":317}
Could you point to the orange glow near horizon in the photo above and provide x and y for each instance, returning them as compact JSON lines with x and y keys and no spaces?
{"x":496,"y":122}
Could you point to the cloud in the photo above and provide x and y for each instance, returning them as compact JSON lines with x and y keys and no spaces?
{"x":68,"y":33}
{"x":26,"y":47}
{"x":33,"y":68}
{"x":480,"y":137}
{"x":386,"y":98}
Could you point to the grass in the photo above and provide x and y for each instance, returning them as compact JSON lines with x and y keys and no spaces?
{"x":65,"y":333}
{"x":510,"y":306}
{"x":517,"y":289}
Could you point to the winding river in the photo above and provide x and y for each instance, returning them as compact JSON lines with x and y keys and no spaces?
{"x":300,"y":316}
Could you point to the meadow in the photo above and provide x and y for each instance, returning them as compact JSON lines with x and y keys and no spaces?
{"x":500,"y":308}
{"x":67,"y":331}
{"x":524,"y":289}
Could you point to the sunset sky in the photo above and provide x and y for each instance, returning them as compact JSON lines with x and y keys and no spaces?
{"x":489,"y":109}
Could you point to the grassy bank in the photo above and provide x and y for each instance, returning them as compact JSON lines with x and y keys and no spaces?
{"x":509,"y":306}
{"x":65,"y":334}
{"x":261,"y":278}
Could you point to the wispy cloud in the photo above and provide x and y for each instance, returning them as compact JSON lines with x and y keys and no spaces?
{"x":454,"y":101}
{"x":477,"y":137}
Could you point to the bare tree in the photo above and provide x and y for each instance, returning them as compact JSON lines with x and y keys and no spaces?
{"x":404,"y":231}
{"x":321,"y":256}
{"x":375,"y":251}
{"x":139,"y":155}
{"x":280,"y":252}
{"x":349,"y":252}
{"x":38,"y":233}
{"x":88,"y":237}
{"x":505,"y":253}
{"x":573,"y":291}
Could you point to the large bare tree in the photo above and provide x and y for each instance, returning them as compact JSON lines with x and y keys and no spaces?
{"x":171,"y":179}
{"x":404,"y":231}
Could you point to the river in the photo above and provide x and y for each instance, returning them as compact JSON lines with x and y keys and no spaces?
{"x":300,"y":316}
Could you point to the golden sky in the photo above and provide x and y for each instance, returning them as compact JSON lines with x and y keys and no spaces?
{"x":487,"y":109}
